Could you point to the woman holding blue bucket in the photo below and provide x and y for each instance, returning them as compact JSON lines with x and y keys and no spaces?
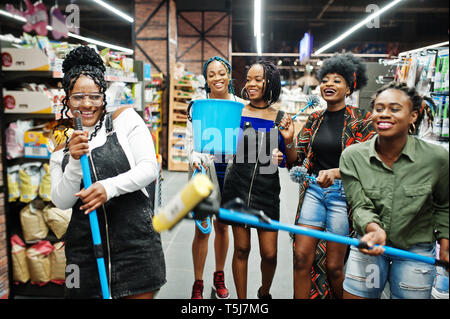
{"x":397,"y":186}
{"x":252,"y":177}
{"x":218,"y":85}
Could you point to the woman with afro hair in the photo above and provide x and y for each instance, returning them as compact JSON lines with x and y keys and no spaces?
{"x":322,"y":204}
{"x":397,"y":186}
{"x":123,"y":164}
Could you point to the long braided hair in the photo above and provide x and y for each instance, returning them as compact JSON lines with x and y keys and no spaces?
{"x":420,"y":103}
{"x":83,"y":61}
{"x":272,"y":82}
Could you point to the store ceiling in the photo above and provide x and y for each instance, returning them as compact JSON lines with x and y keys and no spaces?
{"x":411,"y":23}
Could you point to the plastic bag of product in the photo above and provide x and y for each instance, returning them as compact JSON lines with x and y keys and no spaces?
{"x":32,"y":222}
{"x":38,"y":260}
{"x":30,"y":179}
{"x":14,"y":138}
{"x":57,"y":219}
{"x":13,"y":183}
{"x":58,"y":264}
{"x":45,"y":187}
{"x":19,"y":260}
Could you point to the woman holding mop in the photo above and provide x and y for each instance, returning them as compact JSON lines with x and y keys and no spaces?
{"x":123,"y":162}
{"x":397,"y":186}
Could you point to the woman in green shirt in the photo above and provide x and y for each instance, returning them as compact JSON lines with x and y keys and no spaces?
{"x":397,"y":186}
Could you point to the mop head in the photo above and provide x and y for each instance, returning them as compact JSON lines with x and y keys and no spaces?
{"x":312,"y":101}
{"x":298,"y":174}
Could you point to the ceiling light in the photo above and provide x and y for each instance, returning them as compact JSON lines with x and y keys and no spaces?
{"x":114,"y":10}
{"x":257,"y":25}
{"x":356,"y":27}
{"x":73,"y":35}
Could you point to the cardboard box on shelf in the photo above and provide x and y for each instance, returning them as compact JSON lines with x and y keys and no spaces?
{"x":36,"y":144}
{"x":24,"y":59}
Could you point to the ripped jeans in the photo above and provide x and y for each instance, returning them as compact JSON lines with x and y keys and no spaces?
{"x":366,"y":276}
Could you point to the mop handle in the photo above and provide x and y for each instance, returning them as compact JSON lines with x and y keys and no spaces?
{"x":95,"y":229}
{"x":252,"y":220}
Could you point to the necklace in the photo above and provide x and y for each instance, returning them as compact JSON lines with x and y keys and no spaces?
{"x":259,"y":107}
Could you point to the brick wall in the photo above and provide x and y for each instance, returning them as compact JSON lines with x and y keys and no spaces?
{"x":193,"y":49}
{"x":151,"y":47}
{"x":4,"y":284}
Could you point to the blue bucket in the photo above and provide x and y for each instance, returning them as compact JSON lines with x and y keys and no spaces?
{"x":216,"y":126}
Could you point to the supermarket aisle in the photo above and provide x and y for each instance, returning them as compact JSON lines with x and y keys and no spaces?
{"x":177,"y":248}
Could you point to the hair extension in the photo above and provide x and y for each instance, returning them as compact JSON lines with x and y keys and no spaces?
{"x":83,"y":61}
{"x":419,"y":103}
{"x":349,"y":67}
{"x":272,"y":82}
{"x":227,"y":66}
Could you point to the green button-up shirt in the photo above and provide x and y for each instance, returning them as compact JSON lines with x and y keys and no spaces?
{"x":410,"y":201}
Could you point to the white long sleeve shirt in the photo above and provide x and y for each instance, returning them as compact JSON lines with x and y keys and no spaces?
{"x":137,"y":144}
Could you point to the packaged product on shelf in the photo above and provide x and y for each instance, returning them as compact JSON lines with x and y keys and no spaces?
{"x":21,"y":274}
{"x":58,"y":264}
{"x":45,"y":186}
{"x":32,"y":221}
{"x":437,"y":123}
{"x":445,"y":120}
{"x":38,"y":259}
{"x":57,"y":219}
{"x":30,"y":179}
{"x":14,"y":138}
{"x":441,"y":73}
{"x":13,"y":183}
{"x":38,"y":142}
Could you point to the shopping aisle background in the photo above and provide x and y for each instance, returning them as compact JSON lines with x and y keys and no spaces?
{"x":177,"y":245}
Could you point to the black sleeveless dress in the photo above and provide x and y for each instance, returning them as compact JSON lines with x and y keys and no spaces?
{"x":251,"y":176}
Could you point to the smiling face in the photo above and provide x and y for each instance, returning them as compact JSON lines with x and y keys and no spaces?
{"x":334,"y":88}
{"x":255,"y":85}
{"x":90,"y":114}
{"x":217,"y":78}
{"x":392,"y":113}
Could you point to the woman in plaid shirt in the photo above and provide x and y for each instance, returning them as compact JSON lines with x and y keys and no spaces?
{"x":322,"y":205}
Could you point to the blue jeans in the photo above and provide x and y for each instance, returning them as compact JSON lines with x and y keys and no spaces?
{"x":366,"y":276}
{"x":325,"y":208}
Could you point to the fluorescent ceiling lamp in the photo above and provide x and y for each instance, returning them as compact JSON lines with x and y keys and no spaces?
{"x":257,"y":25}
{"x":114,"y":10}
{"x":356,"y":27}
{"x":73,"y":35}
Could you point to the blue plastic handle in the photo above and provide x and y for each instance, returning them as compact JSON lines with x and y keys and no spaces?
{"x":205,"y":230}
{"x":93,"y":220}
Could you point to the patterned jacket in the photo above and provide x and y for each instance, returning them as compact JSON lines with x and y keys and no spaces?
{"x":358,"y":128}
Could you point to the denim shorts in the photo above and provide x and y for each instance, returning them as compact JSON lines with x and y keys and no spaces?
{"x":366,"y":276}
{"x":325,"y":208}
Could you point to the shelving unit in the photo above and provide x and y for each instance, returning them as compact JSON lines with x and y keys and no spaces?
{"x":181,"y":92}
{"x":153,"y":98}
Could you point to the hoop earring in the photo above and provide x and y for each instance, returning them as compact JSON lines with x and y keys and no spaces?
{"x":244,"y":93}
{"x":413,"y":130}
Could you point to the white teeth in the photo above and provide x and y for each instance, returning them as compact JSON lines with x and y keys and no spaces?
{"x":385,"y":125}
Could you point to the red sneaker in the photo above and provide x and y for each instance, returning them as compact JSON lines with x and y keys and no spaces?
{"x":219,"y":285}
{"x":197,"y":290}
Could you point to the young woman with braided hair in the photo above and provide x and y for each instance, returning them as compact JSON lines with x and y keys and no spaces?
{"x":123,"y":163}
{"x":397,"y":186}
{"x":252,"y":177}
{"x":218,"y":85}
{"x":322,"y":204}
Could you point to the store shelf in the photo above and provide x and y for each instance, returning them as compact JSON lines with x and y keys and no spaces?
{"x":181,"y":92}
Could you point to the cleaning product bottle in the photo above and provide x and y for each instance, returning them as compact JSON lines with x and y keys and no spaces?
{"x":437,"y":122}
{"x":445,"y":120}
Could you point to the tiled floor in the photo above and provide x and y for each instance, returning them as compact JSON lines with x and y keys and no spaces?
{"x":177,"y":245}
